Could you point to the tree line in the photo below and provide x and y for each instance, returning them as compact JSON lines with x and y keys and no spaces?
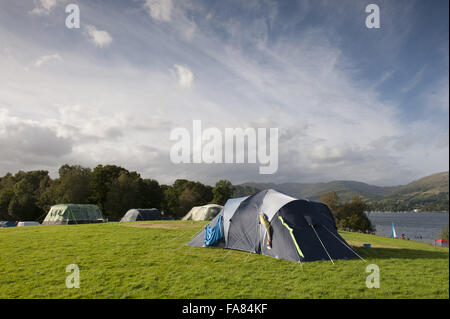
{"x":29,"y":195}
{"x":428,"y":203}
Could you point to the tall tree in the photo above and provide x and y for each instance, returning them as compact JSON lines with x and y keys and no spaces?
{"x":222,"y":191}
{"x":27,"y":190}
{"x":331,"y":199}
{"x":185,"y":194}
{"x":351,"y":215}
{"x":170,"y":202}
{"x":6,"y":194}
{"x":125,"y":192}
{"x":102,"y":179}
{"x":153,"y":194}
{"x":74,"y":185}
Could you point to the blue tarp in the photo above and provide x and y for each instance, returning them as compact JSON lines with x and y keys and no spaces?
{"x":7,"y":224}
{"x":213,"y":234}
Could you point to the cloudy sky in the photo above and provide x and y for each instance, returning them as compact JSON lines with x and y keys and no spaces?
{"x":350,"y":102}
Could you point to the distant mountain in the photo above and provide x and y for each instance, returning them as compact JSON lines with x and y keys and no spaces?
{"x":426,"y":186}
{"x":428,"y":193}
{"x":345,"y":189}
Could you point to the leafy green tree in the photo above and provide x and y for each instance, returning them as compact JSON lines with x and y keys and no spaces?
{"x":193,"y":194}
{"x":28,"y":188}
{"x":331,"y":199}
{"x":222,"y":191}
{"x":351,"y":215}
{"x":179,"y":185}
{"x":6,"y":194}
{"x":125,"y":192}
{"x":101,"y":181}
{"x":185,"y":194}
{"x":22,"y":205}
{"x":170,"y":202}
{"x":74,"y":185}
{"x":187,"y":200}
{"x":153,"y":194}
{"x":203,"y":193}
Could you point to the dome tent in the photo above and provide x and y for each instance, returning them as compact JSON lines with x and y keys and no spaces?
{"x":206,"y":212}
{"x":280,"y":226}
{"x":133,"y":215}
{"x":64,"y":214}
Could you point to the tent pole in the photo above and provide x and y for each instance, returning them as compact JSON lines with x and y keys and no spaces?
{"x":344,"y":244}
{"x":322,"y":244}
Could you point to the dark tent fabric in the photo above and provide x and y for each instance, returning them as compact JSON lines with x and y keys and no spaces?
{"x":141,"y":214}
{"x":7,"y":224}
{"x":300,"y":230}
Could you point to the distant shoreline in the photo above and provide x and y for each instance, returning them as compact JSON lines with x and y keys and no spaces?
{"x":407,"y":211}
{"x":412,"y":212}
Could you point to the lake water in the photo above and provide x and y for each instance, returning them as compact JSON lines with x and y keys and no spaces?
{"x":413,"y":225}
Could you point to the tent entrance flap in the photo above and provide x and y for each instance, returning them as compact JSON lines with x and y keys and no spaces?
{"x":291,"y":231}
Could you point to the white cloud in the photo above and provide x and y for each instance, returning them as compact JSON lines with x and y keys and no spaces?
{"x":29,"y":144}
{"x":99,"y":37}
{"x":189,"y":29}
{"x":44,"y":7}
{"x":46,"y":59}
{"x":331,"y":126}
{"x":184,"y":75}
{"x":159,"y":9}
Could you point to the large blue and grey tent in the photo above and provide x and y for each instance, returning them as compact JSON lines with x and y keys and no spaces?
{"x":277,"y":225}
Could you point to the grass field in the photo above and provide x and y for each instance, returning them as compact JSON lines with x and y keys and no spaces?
{"x":127,"y":260}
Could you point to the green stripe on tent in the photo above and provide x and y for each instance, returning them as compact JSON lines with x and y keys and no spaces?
{"x":291,"y":231}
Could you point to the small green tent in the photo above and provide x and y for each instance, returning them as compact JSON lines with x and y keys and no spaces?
{"x":64,"y":214}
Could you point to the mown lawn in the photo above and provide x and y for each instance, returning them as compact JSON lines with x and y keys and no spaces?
{"x":119,"y":260}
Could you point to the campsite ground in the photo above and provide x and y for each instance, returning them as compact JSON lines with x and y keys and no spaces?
{"x":127,"y":260}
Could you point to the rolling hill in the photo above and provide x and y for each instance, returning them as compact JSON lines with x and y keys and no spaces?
{"x":427,"y":193}
{"x":426,"y":186}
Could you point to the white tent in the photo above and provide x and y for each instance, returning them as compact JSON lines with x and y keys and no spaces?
{"x":206,"y":212}
{"x":21,"y":224}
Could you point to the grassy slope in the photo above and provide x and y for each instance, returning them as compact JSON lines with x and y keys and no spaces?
{"x":425,"y":187}
{"x":121,"y":261}
{"x":429,"y":185}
